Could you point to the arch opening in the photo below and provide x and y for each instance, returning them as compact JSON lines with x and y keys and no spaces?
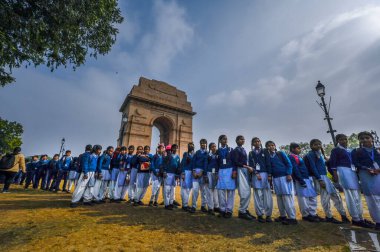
{"x":165,"y":129}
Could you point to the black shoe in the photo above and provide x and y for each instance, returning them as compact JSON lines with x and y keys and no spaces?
{"x":87,"y":203}
{"x":216,"y":209}
{"x":141,"y":203}
{"x":244,"y":216}
{"x":102,"y":201}
{"x":172,"y":206}
{"x":185,"y":208}
{"x":211,"y":212}
{"x":221,"y":214}
{"x":280,"y":219}
{"x":130,"y":201}
{"x":369,"y":224}
{"x":74,"y":205}
{"x":333,"y":220}
{"x":310,"y":218}
{"x":320,"y":218}
{"x":228,"y":215}
{"x":290,"y":222}
{"x":155,"y":204}
{"x":135,"y":203}
{"x":150,"y":203}
{"x":96,"y":202}
{"x":175,"y":203}
{"x":168,"y":208}
{"x":261,"y":219}
{"x":55,"y":191}
{"x":253,"y":217}
{"x":192,"y":210}
{"x":345,"y":220}
{"x":268,"y":219}
{"x":204,"y":209}
{"x":377,"y":226}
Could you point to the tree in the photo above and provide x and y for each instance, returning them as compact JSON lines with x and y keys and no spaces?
{"x":10,"y":136}
{"x":54,"y":33}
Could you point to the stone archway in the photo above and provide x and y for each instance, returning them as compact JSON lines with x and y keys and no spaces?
{"x":156,"y":103}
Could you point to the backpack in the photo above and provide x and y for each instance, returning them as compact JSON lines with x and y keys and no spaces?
{"x":7,"y":162}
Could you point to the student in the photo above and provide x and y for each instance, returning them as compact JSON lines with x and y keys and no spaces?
{"x":322,"y":183}
{"x":187,"y":176}
{"x":31,"y":170}
{"x":171,"y":167}
{"x":86,"y":180}
{"x":240,"y":161}
{"x":133,"y":176}
{"x":121,"y":184}
{"x":211,"y":180}
{"x":42,"y":167}
{"x":343,"y":168}
{"x":51,"y":175}
{"x":115,"y":163}
{"x":283,"y":184}
{"x":226,"y":178}
{"x":367,"y":161}
{"x":128,"y":162}
{"x":10,"y":172}
{"x":156,"y":174}
{"x":105,"y":168}
{"x":259,"y":160}
{"x":73,"y":173}
{"x":199,"y":167}
{"x":64,"y":171}
{"x":306,"y":195}
{"x":143,"y":176}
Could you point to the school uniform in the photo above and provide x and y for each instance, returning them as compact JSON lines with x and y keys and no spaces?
{"x":72,"y":173}
{"x":31,"y":170}
{"x":143,"y":175}
{"x":210,"y":185}
{"x":187,"y":177}
{"x":199,"y":167}
{"x":281,"y":167}
{"x":156,"y":176}
{"x":366,"y":159}
{"x":63,"y":172}
{"x":171,"y":168}
{"x":259,"y":160}
{"x":42,"y":167}
{"x":104,"y":167}
{"x":341,"y":161}
{"x":319,"y":173}
{"x":133,"y":179}
{"x":243,"y":178}
{"x":85,"y":185}
{"x":53,"y":172}
{"x":226,"y":184}
{"x":306,"y":194}
{"x":120,"y":179}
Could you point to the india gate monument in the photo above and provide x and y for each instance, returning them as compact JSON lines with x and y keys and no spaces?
{"x":156,"y":103}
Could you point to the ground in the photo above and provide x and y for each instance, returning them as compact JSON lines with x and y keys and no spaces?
{"x":34,"y":220}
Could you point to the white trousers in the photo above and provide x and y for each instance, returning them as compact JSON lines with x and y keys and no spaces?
{"x":307,"y":205}
{"x":244,"y":189}
{"x":212,"y":198}
{"x":185,"y":195}
{"x":226,"y":200}
{"x":354,"y":204}
{"x":263,"y":202}
{"x":96,"y":189}
{"x":169,"y":195}
{"x":198,"y":188}
{"x":285,"y":205}
{"x":83,"y":189}
{"x":373,"y":202}
{"x":70,"y":183}
{"x":156,"y":184}
{"x":326,"y":205}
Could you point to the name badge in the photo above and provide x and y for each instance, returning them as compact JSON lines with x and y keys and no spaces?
{"x":213,"y":170}
{"x":128,"y":166}
{"x":224,"y":161}
{"x":353,"y":168}
{"x":376,"y":165}
{"x":257,"y":167}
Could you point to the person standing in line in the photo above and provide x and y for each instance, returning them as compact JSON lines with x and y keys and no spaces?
{"x":171,"y":167}
{"x":187,"y":176}
{"x":156,"y":174}
{"x":211,"y":180}
{"x":13,"y":163}
{"x":31,"y":170}
{"x":142,"y":182}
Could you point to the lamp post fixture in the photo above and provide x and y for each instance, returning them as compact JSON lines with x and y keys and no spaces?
{"x":62,"y":148}
{"x":326,"y":109}
{"x":124,"y":120}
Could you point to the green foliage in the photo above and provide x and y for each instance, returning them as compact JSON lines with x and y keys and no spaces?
{"x":54,"y":32}
{"x":10,"y":135}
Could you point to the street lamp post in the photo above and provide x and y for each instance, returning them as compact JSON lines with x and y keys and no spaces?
{"x":326,"y":109}
{"x":62,"y":144}
{"x":124,"y":120}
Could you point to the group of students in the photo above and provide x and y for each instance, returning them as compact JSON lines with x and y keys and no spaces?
{"x":215,"y":174}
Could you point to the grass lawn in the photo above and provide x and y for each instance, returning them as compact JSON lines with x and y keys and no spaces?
{"x":34,"y":220}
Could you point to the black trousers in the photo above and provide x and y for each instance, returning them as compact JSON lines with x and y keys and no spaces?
{"x":8,"y":178}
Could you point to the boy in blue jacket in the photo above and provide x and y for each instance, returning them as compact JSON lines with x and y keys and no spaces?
{"x":156,"y":174}
{"x":171,"y":168}
{"x":31,"y":170}
{"x":187,"y":176}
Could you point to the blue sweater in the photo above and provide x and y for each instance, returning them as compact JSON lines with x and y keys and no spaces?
{"x":300,"y":171}
{"x":65,"y":163}
{"x":200,"y":160}
{"x":156,"y":165}
{"x":54,"y":165}
{"x":212,"y":162}
{"x":362,"y":158}
{"x":43,"y":165}
{"x":187,"y":162}
{"x":105,"y":162}
{"x":85,"y":162}
{"x":93,"y":164}
{"x":171,"y":164}
{"x":225,"y":154}
{"x":340,"y":157}
{"x":280,"y":165}
{"x":262,"y":158}
{"x":317,"y":165}
{"x":32,"y":166}
{"x":239,"y":157}
{"x":144,"y":158}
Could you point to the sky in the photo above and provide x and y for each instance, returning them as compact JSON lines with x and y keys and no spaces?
{"x":248,"y":67}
